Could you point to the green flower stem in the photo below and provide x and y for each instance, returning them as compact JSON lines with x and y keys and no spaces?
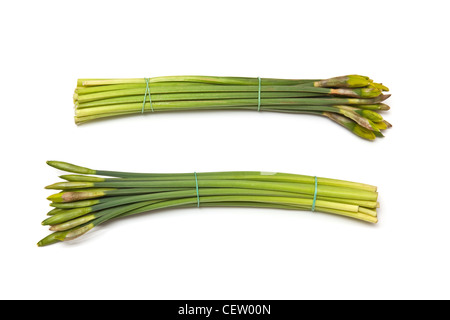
{"x":196,"y":79}
{"x":270,"y":202}
{"x":239,"y":175}
{"x":228,"y":175}
{"x":330,"y":191}
{"x":121,"y":99}
{"x":69,"y":196}
{"x":205,"y":92}
{"x":225,"y":103}
{"x":190,"y":92}
{"x":89,"y":203}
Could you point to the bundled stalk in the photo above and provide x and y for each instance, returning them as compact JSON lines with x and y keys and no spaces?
{"x":88,"y":199}
{"x":351,"y":101}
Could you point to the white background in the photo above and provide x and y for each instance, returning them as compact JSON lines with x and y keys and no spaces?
{"x":227,"y":253}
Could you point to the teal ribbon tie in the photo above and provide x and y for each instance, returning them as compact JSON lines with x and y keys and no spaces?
{"x":259,"y":93}
{"x":147,"y":92}
{"x":196,"y":189}
{"x":315,"y":195}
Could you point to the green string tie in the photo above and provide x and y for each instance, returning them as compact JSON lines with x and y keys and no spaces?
{"x":147,"y":91}
{"x":315,"y":195}
{"x":259,"y":93}
{"x":196,"y":189}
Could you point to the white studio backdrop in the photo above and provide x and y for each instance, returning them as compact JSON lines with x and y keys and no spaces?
{"x":226,"y":253}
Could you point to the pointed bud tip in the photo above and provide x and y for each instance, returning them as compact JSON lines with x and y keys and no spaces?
{"x":57,"y":197}
{"x":65,"y":166}
{"x":370,"y":92}
{"x":52,"y":238}
{"x":364,"y":133}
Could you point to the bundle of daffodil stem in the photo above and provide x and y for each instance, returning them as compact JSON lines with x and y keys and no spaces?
{"x":90,"y":197}
{"x":352,"y":101}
